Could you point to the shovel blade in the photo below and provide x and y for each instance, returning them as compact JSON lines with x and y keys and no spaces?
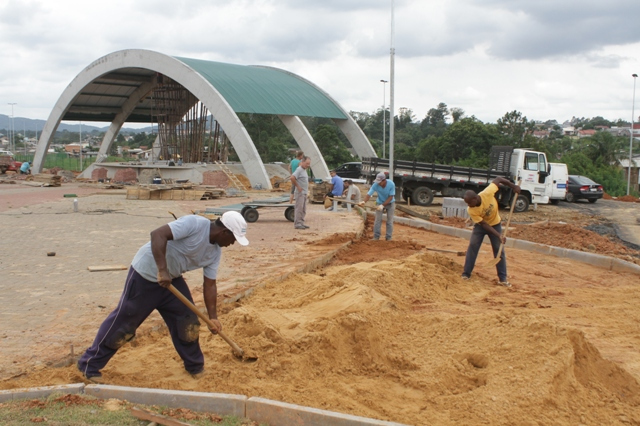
{"x":493,"y":262}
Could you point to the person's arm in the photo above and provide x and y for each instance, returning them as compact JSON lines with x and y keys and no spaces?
{"x":294,"y":181}
{"x":502,"y":181}
{"x":491,"y":230}
{"x":210,"y":293}
{"x":159,"y":239}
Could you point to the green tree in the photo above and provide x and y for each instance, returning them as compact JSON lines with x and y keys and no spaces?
{"x":435,"y":122}
{"x":330,"y":146}
{"x":515,"y":129}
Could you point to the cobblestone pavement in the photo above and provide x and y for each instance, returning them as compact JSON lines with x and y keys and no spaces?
{"x":51,"y":303}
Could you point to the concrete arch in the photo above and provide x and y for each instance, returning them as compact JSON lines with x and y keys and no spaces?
{"x":128,"y":107}
{"x":225,"y":89}
{"x":348,"y":125}
{"x":301,"y":134}
{"x":176,"y":70}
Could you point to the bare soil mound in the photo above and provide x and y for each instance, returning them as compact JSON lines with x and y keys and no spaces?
{"x":398,"y":340}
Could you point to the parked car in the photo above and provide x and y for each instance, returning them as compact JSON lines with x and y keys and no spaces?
{"x":349,"y":170}
{"x":583,"y":188}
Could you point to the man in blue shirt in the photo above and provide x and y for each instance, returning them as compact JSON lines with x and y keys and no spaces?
{"x":25,"y":168}
{"x":337,"y":185}
{"x":386,"y":201}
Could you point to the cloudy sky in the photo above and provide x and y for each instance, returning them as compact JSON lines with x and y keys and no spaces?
{"x":549,"y":59}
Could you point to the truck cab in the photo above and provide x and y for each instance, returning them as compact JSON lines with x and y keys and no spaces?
{"x":532,"y":168}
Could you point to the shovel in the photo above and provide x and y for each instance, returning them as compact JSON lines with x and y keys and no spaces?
{"x":494,"y":262}
{"x":236,"y":350}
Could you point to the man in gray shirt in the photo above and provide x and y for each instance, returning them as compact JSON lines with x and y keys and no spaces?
{"x":189,"y":243}
{"x":300,"y":180}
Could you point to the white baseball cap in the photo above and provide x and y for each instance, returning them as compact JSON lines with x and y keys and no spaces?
{"x":380,"y":177}
{"x":235,"y":223}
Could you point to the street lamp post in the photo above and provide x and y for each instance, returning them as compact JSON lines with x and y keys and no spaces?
{"x":384,"y":114}
{"x":13,"y":131}
{"x":633,"y":104}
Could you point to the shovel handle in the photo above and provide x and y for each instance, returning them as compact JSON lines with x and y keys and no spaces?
{"x":236,"y":349}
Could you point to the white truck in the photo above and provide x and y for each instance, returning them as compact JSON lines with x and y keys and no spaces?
{"x":420,"y":182}
{"x":558,"y":182}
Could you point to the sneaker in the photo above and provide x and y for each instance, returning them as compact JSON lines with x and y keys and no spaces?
{"x":375,"y":239}
{"x":306,"y":227}
{"x":301,"y":227}
{"x":464,"y":277}
{"x":505,"y":283}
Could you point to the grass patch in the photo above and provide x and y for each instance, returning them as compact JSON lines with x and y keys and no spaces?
{"x":84,"y":410}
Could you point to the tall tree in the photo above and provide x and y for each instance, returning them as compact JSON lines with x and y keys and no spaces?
{"x":435,"y":121}
{"x":330,"y":146}
{"x":515,"y":129}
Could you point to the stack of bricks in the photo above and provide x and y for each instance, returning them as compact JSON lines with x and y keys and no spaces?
{"x":217,"y":179}
{"x":127,"y":175}
{"x":99,"y":173}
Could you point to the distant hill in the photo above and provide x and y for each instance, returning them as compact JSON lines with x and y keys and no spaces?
{"x":29,"y":124}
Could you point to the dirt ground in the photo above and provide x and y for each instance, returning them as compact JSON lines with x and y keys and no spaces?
{"x":388,"y":330}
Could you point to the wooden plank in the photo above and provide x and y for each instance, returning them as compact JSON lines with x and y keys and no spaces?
{"x":107,"y":268}
{"x":412,"y":212}
{"x":158,"y":418}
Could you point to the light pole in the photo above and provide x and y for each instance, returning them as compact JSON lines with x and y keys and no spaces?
{"x":384,"y":114}
{"x":13,"y":131}
{"x":633,"y":104}
{"x":80,"y":137}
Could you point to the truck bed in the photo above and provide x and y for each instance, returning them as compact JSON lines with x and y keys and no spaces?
{"x":430,"y":171}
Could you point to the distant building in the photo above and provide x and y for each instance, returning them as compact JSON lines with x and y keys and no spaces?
{"x":586,"y":133}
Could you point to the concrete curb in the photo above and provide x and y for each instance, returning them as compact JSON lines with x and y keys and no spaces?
{"x":277,"y":413}
{"x":219,"y":403}
{"x":260,"y":410}
{"x":42,"y":392}
{"x":598,"y":260}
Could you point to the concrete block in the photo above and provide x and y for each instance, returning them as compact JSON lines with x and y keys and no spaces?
{"x":41,"y":392}
{"x":219,"y":403}
{"x":277,"y":413}
{"x":454,"y":207}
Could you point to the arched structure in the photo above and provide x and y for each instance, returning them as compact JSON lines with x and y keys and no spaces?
{"x":117,"y":88}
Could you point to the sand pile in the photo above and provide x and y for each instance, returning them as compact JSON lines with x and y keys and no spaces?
{"x":395,"y":340}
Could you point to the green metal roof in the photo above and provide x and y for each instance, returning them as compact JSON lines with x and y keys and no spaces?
{"x":260,"y":90}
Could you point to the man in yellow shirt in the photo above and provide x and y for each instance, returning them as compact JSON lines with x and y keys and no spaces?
{"x":483,"y":211}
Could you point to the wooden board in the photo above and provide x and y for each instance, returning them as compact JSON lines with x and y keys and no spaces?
{"x":156,"y":418}
{"x":107,"y":268}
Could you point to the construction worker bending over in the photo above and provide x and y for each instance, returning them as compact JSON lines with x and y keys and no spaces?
{"x":386,"y":201}
{"x":189,"y":243}
{"x":483,"y":211}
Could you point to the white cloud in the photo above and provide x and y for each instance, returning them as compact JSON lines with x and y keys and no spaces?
{"x":547,"y":59}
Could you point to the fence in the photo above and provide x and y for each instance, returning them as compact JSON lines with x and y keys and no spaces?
{"x":63,"y":161}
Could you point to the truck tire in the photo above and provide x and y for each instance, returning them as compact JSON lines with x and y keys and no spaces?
{"x":422,"y":196}
{"x":522,"y":204}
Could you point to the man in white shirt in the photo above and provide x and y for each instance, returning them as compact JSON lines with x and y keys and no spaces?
{"x":189,"y":243}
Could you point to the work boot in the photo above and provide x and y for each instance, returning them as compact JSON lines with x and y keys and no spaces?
{"x":198,"y":375}
{"x":97,"y":379}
